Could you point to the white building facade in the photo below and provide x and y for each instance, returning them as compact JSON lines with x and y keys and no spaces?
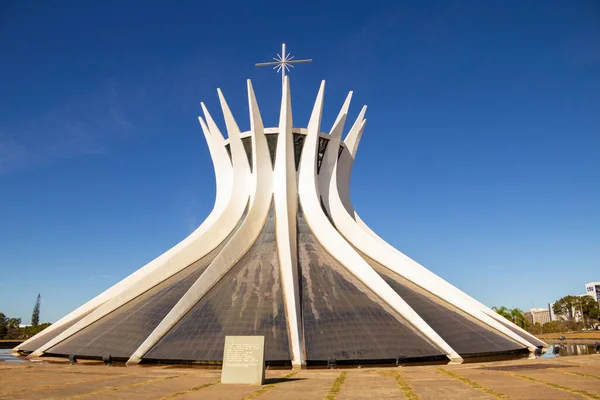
{"x":538,"y":315}
{"x":593,"y":289}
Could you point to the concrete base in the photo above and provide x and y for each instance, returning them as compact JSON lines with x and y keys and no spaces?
{"x":298,"y":367}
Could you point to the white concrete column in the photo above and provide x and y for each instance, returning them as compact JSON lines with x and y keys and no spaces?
{"x":193,"y":248}
{"x":376,"y":248}
{"x":241,"y":241}
{"x":338,"y":247}
{"x":285,"y":196}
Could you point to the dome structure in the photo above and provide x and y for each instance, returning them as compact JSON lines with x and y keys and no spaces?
{"x":283,"y":254}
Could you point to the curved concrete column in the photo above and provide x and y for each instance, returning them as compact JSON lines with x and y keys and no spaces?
{"x":338,"y":247}
{"x":285,"y":196}
{"x":368,"y":242}
{"x":224,"y":179}
{"x":241,"y":241}
{"x":228,"y":212}
{"x":404,"y":266}
{"x":331,"y":152}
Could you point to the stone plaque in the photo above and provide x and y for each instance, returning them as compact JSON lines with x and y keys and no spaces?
{"x":244,"y":360}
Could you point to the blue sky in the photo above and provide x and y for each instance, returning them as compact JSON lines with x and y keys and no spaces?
{"x":481,"y":157}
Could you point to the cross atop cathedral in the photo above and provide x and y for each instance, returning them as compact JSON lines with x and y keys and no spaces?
{"x":283,"y":62}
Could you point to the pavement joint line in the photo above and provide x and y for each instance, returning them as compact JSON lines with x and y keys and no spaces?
{"x":581,"y":374}
{"x":30,"y":378}
{"x":56,"y":373}
{"x":403,"y":385}
{"x":336,"y":386}
{"x":266,"y":388}
{"x":574,"y":373}
{"x":19,"y":370}
{"x":557,"y":386}
{"x":192,"y":389}
{"x":112,"y":389}
{"x":46,"y":387}
{"x":475,"y":385}
{"x":571,"y":362}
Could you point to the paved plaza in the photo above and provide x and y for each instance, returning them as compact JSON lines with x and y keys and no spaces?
{"x":557,"y":378}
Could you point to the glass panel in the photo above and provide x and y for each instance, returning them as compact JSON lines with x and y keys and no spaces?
{"x":513,"y":328}
{"x":298,"y":145}
{"x":272,"y":143}
{"x":39,"y":342}
{"x":462,"y":332}
{"x":247,"y":142}
{"x":122,"y":331}
{"x":342,"y":318}
{"x":340,"y":150}
{"x":248,"y":300}
{"x":228,"y":148}
{"x":322,"y":147}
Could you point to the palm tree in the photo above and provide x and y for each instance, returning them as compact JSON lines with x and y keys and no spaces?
{"x":518,"y":318}
{"x":505,"y":312}
{"x":514,"y":315}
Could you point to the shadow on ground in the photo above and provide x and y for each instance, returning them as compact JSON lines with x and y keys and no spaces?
{"x":272,"y":381}
{"x":526,"y":367}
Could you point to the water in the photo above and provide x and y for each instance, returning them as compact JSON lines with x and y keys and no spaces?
{"x":565,"y":350}
{"x":6,"y":356}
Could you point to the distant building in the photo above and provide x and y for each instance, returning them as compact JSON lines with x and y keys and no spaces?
{"x":535,"y":315}
{"x":593,"y":289}
{"x":551,"y":312}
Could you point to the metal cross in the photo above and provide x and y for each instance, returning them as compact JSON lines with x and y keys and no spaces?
{"x":283,"y":62}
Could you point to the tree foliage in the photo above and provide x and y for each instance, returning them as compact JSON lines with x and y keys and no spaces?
{"x":3,"y":327}
{"x":536,"y":328}
{"x":13,"y":323}
{"x":30,"y":331}
{"x":514,"y":315}
{"x":576,"y":311}
{"x":35,"y":316}
{"x":505,"y":312}
{"x":10,"y":328}
{"x":554,"y":327}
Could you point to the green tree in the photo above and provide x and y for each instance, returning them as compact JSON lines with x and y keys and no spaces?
{"x":536,"y":328}
{"x":3,"y":327}
{"x":35,"y":316}
{"x":514,"y":315}
{"x":594,"y":317}
{"x":10,"y":328}
{"x":505,"y":312}
{"x":568,"y":306}
{"x":518,"y":318}
{"x":587,"y":304}
{"x":553,"y":327}
{"x":13,"y":323}
{"x":34,"y":330}
{"x":563,"y":307}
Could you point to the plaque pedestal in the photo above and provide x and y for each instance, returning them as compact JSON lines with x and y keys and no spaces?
{"x":244,"y":360}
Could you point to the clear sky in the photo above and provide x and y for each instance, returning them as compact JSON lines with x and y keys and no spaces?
{"x":481,"y":157}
